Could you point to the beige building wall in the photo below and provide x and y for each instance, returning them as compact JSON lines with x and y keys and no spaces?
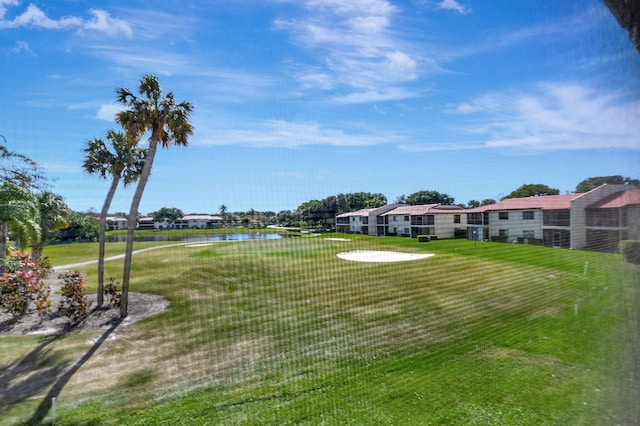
{"x":579,"y":214}
{"x":633,"y":222}
{"x":445,"y":225}
{"x":516,"y":224}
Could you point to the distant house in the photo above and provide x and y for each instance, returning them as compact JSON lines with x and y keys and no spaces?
{"x":199,"y":221}
{"x":595,"y":220}
{"x":116,"y":222}
{"x":146,"y":222}
{"x":193,"y":221}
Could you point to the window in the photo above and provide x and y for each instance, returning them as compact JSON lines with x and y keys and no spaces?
{"x":503,"y":215}
{"x":528,"y":234}
{"x":504,"y":233}
{"x":557,"y":218}
{"x":456,"y":218}
{"x":406,"y":218}
{"x":528,"y":215}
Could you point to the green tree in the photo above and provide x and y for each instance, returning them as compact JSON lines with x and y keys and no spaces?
{"x":19,"y":211}
{"x":20,"y":169}
{"x":311,"y":212}
{"x":170,"y":215}
{"x":473,"y":204}
{"x":594,"y":182}
{"x":53,"y":214}
{"x":80,"y":229}
{"x":167,"y":124}
{"x":287,"y":218}
{"x":532,"y":190}
{"x":364,"y":200}
{"x":487,"y":201}
{"x":429,"y":197}
{"x":121,"y":160}
{"x":401,"y":199}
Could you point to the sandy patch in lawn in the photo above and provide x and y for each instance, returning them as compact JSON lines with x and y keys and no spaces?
{"x":380,"y":256}
{"x":337,"y":239}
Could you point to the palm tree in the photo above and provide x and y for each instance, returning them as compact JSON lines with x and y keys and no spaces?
{"x":18,"y":209}
{"x":52,"y":216}
{"x":223,"y":212}
{"x":168,"y":124}
{"x":122,"y":160}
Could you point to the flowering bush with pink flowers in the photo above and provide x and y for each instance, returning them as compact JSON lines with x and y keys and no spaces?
{"x":22,"y":286}
{"x":74,"y":303}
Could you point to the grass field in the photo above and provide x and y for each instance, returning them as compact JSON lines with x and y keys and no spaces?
{"x":284,"y":332}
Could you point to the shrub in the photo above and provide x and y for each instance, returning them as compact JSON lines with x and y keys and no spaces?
{"x":22,"y":286}
{"x":74,"y":303}
{"x":630,"y":249}
{"x":111,"y":290}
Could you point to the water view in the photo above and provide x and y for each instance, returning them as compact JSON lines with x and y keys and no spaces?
{"x":170,"y":236}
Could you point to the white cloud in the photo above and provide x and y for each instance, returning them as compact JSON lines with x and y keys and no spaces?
{"x":103,"y":22}
{"x":454,"y":5}
{"x":355,"y":47}
{"x":34,"y":17}
{"x":287,"y":134}
{"x":374,"y":96}
{"x":553,"y":116}
{"x":107,"y":112}
{"x":20,"y":47}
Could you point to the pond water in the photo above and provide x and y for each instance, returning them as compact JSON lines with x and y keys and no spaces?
{"x":203,"y":237}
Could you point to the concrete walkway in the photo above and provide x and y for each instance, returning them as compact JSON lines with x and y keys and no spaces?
{"x":120,"y":256}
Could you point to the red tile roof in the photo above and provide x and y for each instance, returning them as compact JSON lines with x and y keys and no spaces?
{"x":546,"y":202}
{"x":424,"y":209}
{"x":619,"y":199}
{"x":357,"y":213}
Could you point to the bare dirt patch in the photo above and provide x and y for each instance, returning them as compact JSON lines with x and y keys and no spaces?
{"x":141,"y":306}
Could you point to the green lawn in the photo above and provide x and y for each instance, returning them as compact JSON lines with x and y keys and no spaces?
{"x":284,"y":332}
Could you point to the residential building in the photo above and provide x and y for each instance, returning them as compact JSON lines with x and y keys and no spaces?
{"x":443,"y":221}
{"x":199,"y":221}
{"x":364,"y":221}
{"x":541,"y":220}
{"x":193,"y":221}
{"x":595,"y":220}
{"x":116,"y":222}
{"x":609,"y":221}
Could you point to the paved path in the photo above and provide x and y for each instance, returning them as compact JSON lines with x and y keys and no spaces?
{"x":120,"y":256}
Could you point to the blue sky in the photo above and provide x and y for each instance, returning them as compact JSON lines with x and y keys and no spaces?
{"x":302,"y":99}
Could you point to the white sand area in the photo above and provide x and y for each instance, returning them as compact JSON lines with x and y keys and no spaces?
{"x":380,"y":256}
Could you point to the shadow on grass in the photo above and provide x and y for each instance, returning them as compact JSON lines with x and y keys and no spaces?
{"x":41,"y":359}
{"x":59,"y":383}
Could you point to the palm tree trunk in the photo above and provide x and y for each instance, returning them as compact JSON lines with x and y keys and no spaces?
{"x":36,"y":252}
{"x":131,"y":224}
{"x":4,"y":235}
{"x":101,"y":238}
